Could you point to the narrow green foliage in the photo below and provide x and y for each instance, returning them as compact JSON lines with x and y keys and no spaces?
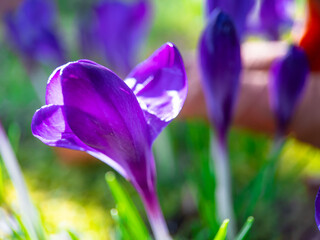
{"x":24,"y":232}
{"x":245,"y":229}
{"x":262,"y":185}
{"x":129,"y":216}
{"x":14,"y":135}
{"x":15,"y":235}
{"x":72,"y":235}
{"x":121,"y":228}
{"x":222,"y":233}
{"x":2,"y":192}
{"x":203,"y":174}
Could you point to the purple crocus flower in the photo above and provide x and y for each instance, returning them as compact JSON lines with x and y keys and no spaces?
{"x":220,"y":64}
{"x":274,"y":18}
{"x":317,"y":209}
{"x":117,"y":29}
{"x":89,"y":108}
{"x":238,"y":10}
{"x":287,"y":81}
{"x":31,"y":31}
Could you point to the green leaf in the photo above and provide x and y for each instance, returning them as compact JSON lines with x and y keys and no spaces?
{"x":72,"y":235}
{"x":122,"y":231}
{"x":128,"y":214}
{"x":245,"y":229}
{"x":14,"y":135}
{"x":2,"y":189}
{"x":222,"y":233}
{"x":22,"y":227}
{"x":262,"y":186}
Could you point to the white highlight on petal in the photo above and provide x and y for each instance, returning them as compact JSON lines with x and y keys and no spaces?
{"x":131,"y":82}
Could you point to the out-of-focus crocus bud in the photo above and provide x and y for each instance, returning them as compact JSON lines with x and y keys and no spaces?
{"x":238,"y":10}
{"x":287,"y":80}
{"x":31,"y":32}
{"x":220,"y":63}
{"x":116,"y":30}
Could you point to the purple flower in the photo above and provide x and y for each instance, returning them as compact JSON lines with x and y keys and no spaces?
{"x":117,"y":30}
{"x":274,"y":17}
{"x":31,"y":31}
{"x":89,"y":108}
{"x":220,"y":62}
{"x":317,"y":209}
{"x":287,"y":81}
{"x":238,"y":10}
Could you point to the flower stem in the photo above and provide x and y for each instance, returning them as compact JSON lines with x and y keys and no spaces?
{"x":272,"y":164}
{"x":28,"y":212}
{"x":36,"y":76}
{"x":155,"y":216}
{"x":223,"y":192}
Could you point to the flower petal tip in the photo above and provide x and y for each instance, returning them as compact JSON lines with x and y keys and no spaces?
{"x":317,"y":209}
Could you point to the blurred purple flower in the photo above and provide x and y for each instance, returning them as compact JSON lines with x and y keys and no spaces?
{"x":117,"y":30}
{"x":31,"y":31}
{"x":287,"y":81}
{"x":89,"y":108}
{"x":317,"y":209}
{"x":220,"y":62}
{"x":274,"y":18}
{"x":238,"y":10}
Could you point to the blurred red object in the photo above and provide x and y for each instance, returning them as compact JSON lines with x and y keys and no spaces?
{"x":310,"y":41}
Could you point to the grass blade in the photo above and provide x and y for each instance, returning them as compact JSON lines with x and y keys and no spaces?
{"x":29,"y":215}
{"x":245,"y":229}
{"x":222,"y":233}
{"x":128,"y":214}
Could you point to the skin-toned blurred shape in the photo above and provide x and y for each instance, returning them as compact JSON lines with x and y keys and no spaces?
{"x":310,"y":41}
{"x":252,"y":110}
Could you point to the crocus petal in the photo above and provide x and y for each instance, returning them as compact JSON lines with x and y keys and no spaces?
{"x":121,"y":27}
{"x":103,"y":113}
{"x":288,"y":78}
{"x":317,"y":209}
{"x":31,"y":30}
{"x":50,"y":126}
{"x":54,"y":90}
{"x":220,"y":64}
{"x":238,"y":10}
{"x":160,"y":84}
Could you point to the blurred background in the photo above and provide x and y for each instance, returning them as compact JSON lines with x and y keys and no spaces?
{"x":69,"y":188}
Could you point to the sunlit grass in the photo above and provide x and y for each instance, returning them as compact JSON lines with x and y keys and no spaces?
{"x":89,"y":220}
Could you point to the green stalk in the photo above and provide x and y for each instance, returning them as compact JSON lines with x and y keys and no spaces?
{"x":223,"y":192}
{"x":28,"y":212}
